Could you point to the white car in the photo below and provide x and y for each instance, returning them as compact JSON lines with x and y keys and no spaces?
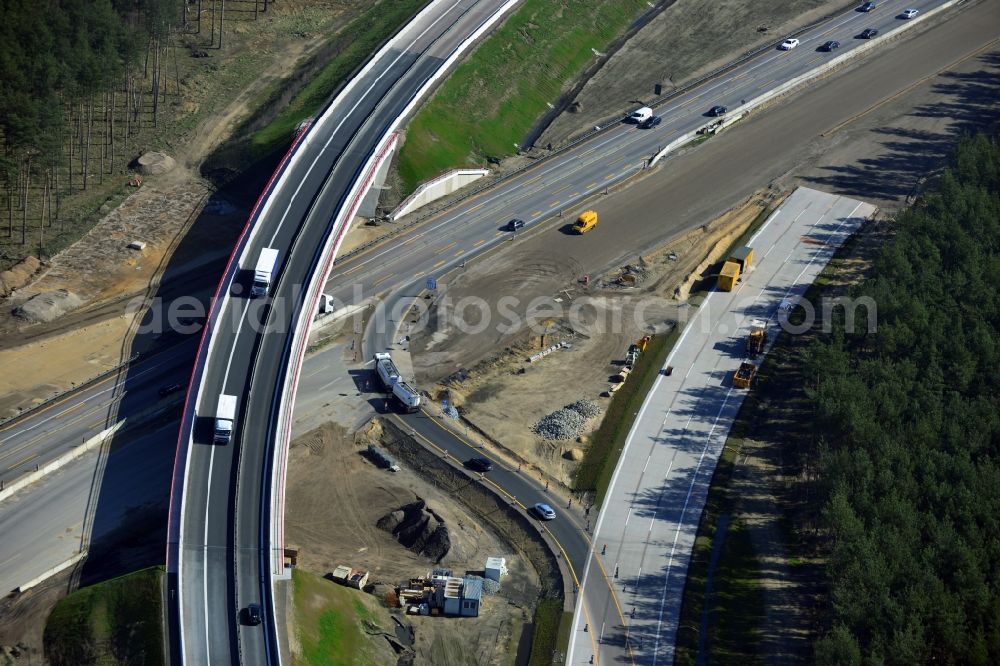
{"x":909,"y":13}
{"x":789,"y":44}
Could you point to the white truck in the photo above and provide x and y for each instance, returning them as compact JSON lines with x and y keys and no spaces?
{"x":386,"y":369}
{"x":224,"y":417}
{"x":264,"y":272}
{"x":407,"y":396}
{"x":641,"y":115}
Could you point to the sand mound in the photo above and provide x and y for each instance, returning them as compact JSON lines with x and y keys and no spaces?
{"x":19,"y":275}
{"x":153,"y":164}
{"x":419,"y":529}
{"x":48,"y":306}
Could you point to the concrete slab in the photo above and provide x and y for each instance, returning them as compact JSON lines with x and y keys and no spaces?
{"x":647,"y":526}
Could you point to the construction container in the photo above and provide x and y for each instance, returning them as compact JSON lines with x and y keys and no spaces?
{"x":495,"y":568}
{"x":729,"y":275}
{"x":742,"y":256}
{"x":744,"y":375}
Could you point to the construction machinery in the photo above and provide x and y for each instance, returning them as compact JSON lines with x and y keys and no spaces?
{"x":744,"y":375}
{"x":757,"y":338}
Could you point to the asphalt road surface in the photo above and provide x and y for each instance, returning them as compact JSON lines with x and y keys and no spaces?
{"x":688,"y":191}
{"x":66,"y":423}
{"x":563,"y":182}
{"x":224,"y":537}
{"x":650,"y":515}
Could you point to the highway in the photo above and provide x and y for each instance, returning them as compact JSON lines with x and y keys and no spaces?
{"x":67,"y":422}
{"x":224,"y":537}
{"x":468,"y":228}
{"x":569,"y":178}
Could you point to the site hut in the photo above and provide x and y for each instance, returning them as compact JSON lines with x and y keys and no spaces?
{"x":495,"y":568}
{"x":742,"y":256}
{"x":472,"y":596}
{"x":452,"y":596}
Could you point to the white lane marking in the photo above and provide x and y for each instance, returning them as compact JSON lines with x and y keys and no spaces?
{"x":349,"y":113}
{"x":204,"y":549}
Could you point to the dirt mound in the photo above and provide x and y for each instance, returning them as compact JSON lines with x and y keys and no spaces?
{"x":19,"y":275}
{"x":153,"y":164}
{"x":48,"y":306}
{"x":419,"y":529}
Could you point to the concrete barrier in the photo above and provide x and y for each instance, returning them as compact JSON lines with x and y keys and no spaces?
{"x":51,"y":572}
{"x":94,"y":442}
{"x":436,"y":188}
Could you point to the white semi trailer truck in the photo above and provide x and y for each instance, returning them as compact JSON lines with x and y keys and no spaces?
{"x":263,"y":274}
{"x":224,"y":417}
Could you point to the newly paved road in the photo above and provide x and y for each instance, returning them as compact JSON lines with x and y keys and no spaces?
{"x":224,"y":535}
{"x":65,"y":423}
{"x":776,"y":135}
{"x":650,"y":515}
{"x":562,"y":182}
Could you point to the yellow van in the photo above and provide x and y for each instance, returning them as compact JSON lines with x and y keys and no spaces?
{"x":586,"y":222}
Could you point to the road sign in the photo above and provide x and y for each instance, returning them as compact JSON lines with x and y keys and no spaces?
{"x":432,"y":283}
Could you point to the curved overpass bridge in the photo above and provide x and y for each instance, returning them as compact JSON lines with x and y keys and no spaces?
{"x":223,"y":546}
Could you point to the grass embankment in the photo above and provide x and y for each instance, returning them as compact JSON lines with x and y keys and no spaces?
{"x":119,"y":621}
{"x":550,"y":631}
{"x":489,"y":104}
{"x":606,"y":445}
{"x":329,"y":620}
{"x":358,"y":41}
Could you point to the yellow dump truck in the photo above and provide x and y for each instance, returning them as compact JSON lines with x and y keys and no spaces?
{"x":736,"y":264}
{"x":586,"y":222}
{"x":758,"y":337}
{"x":744,"y":375}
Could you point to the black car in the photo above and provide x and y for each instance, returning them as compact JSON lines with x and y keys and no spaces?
{"x":479,"y":464}
{"x":717,"y":111}
{"x":652,"y":121}
{"x":253,"y":615}
{"x":515,"y":224}
{"x":167,"y":390}
{"x":867,"y":7}
{"x":869,"y":33}
{"x":831,"y":45}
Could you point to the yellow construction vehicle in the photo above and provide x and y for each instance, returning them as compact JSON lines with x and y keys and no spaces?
{"x":736,"y":264}
{"x":744,"y":375}
{"x":643,"y":342}
{"x":757,"y":338}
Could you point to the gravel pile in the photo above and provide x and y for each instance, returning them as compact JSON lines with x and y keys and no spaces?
{"x":561,"y":424}
{"x":588,"y":409}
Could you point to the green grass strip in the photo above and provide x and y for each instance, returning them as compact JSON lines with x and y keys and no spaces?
{"x":549,"y":628}
{"x":360,"y":40}
{"x":489,"y":104}
{"x":607,"y":443}
{"x":118,"y":621}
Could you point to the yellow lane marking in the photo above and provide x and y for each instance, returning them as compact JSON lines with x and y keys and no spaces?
{"x":480,"y":241}
{"x":439,"y":264}
{"x":72,"y":408}
{"x":21,"y":462}
{"x":460,"y":253}
{"x":381,"y":280}
{"x":442,"y":250}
